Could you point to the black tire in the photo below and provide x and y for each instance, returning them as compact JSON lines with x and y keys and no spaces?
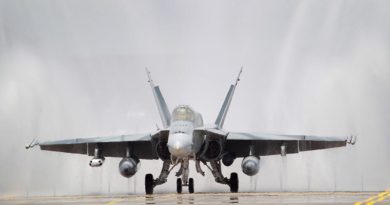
{"x":179,"y":186}
{"x":233,"y":182}
{"x":191,"y":186}
{"x":149,"y":184}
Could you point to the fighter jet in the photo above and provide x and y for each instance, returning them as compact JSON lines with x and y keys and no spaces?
{"x":184,"y":137}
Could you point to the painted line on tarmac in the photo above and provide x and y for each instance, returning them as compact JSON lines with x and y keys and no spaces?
{"x":115,"y":201}
{"x":374,"y":199}
{"x":379,"y":199}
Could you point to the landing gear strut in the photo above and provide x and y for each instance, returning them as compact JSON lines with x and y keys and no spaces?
{"x":184,"y":180}
{"x":219,"y":178}
{"x":215,"y":168}
{"x":150,"y":183}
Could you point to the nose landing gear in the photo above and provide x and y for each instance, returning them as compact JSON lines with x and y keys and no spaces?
{"x":179,"y":185}
{"x":191,"y":186}
{"x":184,"y":180}
{"x":215,"y":168}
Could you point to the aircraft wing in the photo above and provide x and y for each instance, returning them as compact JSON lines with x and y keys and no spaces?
{"x":112,"y":146}
{"x":271,"y":144}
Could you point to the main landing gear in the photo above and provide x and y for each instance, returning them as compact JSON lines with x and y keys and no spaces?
{"x":183,"y":180}
{"x":233,"y":182}
{"x":150,"y":182}
{"x":219,"y":178}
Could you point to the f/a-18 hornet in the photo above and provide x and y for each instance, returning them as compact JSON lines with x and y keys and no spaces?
{"x":184,"y":137}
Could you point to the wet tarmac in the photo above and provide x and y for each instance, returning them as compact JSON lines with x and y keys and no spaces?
{"x":356,"y":198}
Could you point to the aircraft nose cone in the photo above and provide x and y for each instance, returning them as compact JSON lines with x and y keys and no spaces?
{"x":180,"y":145}
{"x":179,"y":151}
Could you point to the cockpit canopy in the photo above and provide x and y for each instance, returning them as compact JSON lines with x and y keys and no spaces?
{"x":186,"y":113}
{"x":183,"y":113}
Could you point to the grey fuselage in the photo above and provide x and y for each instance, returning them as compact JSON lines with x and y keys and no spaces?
{"x":183,"y":142}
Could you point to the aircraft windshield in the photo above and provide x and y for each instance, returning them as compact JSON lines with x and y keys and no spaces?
{"x":183,"y":113}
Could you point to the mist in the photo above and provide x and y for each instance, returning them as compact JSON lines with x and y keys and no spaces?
{"x":72,"y":69}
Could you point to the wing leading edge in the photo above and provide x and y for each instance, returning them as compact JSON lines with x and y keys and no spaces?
{"x":112,"y":146}
{"x":271,"y":144}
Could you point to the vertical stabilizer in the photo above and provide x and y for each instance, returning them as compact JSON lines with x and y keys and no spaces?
{"x":161,"y":105}
{"x":225,"y":106}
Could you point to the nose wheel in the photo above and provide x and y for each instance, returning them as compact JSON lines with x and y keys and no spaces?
{"x":179,"y":185}
{"x":191,"y":186}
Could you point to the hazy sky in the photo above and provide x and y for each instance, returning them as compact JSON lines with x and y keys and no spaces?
{"x":76,"y":68}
